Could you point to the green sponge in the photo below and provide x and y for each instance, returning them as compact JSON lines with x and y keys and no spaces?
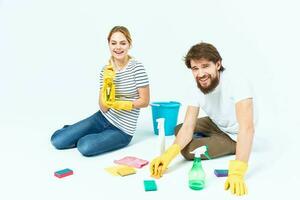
{"x":150,"y":185}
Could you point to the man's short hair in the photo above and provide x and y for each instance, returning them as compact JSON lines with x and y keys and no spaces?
{"x":203,"y":51}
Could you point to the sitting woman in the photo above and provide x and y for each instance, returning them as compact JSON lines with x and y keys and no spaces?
{"x":124,"y":89}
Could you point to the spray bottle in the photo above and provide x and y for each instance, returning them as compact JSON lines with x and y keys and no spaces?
{"x":196,"y":174}
{"x":161,"y":135}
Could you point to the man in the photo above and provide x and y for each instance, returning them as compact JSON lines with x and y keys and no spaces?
{"x":228,"y":129}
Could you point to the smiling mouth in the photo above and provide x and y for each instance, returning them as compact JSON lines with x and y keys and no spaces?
{"x":118,"y":52}
{"x":203,"y":80}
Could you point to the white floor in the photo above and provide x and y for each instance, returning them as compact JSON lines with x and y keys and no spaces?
{"x":50,"y":56}
{"x":29,"y":161}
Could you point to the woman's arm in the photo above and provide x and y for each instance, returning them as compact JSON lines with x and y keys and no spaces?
{"x":144,"y":99}
{"x":101,"y":105}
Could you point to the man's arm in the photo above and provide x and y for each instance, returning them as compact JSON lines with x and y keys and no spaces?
{"x":160,"y":164}
{"x":244,"y":115}
{"x":238,"y":167}
{"x":185,"y":134}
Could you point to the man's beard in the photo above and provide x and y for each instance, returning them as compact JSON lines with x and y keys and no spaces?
{"x":213,"y":84}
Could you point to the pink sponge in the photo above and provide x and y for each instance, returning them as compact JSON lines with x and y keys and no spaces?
{"x":132,"y":162}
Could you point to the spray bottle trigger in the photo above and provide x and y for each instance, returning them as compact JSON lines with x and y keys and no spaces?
{"x":206,"y":153}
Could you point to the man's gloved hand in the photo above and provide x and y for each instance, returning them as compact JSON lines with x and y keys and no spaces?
{"x":122,"y":105}
{"x":160,"y":164}
{"x":235,"y":180}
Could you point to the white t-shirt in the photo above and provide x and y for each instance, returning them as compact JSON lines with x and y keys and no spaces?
{"x":219,"y":104}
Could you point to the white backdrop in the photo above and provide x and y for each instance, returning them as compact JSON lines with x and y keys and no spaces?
{"x":51,"y":53}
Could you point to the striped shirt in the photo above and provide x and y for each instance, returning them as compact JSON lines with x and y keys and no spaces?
{"x":127,"y":81}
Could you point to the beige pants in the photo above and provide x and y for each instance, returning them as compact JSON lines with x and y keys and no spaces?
{"x":207,"y":133}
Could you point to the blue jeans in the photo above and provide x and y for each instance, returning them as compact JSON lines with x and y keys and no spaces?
{"x":92,"y":136}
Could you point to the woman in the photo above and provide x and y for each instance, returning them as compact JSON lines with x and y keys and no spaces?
{"x":124,"y":89}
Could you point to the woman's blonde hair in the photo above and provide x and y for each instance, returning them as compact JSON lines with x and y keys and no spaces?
{"x":123,"y":30}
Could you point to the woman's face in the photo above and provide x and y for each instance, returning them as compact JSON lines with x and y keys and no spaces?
{"x":119,"y":46}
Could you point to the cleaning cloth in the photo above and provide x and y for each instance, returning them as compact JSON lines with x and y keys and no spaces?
{"x":132,"y":161}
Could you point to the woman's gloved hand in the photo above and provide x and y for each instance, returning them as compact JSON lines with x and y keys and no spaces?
{"x":122,"y":105}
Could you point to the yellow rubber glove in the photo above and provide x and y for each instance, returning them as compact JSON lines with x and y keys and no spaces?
{"x":108,"y":86}
{"x":160,"y":164}
{"x":235,"y":180}
{"x":105,"y":95}
{"x":122,"y":105}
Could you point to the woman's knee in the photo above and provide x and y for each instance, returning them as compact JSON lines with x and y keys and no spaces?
{"x":56,"y":140}
{"x":88,"y":147}
{"x":85,"y":148}
{"x":59,"y":141}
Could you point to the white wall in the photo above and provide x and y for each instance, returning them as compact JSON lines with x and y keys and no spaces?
{"x":51,"y":51}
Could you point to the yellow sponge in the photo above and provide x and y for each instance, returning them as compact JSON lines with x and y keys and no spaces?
{"x":126,"y":171}
{"x":114,"y":169}
{"x":120,"y":170}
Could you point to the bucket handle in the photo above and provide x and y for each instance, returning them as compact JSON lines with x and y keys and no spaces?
{"x":154,"y":104}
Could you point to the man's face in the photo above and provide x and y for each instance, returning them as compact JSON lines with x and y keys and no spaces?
{"x":206,"y":74}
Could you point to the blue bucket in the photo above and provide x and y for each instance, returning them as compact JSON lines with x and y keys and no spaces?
{"x":169,"y":111}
